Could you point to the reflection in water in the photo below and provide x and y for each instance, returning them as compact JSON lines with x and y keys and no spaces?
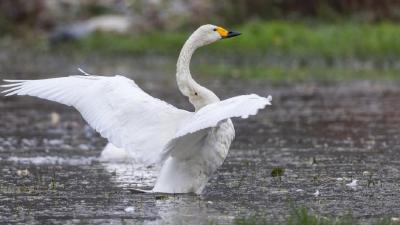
{"x":171,"y":209}
{"x":131,"y":174}
{"x":188,"y":209}
{"x":124,"y":174}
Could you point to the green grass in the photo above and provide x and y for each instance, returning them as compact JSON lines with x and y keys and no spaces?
{"x":302,"y":216}
{"x":278,"y":73}
{"x":326,"y":40}
{"x":275,"y":50}
{"x":271,"y":38}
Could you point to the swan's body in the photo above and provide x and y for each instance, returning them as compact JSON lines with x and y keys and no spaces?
{"x":190,"y":171}
{"x":190,"y":146}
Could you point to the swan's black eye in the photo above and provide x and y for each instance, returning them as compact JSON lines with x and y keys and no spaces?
{"x":195,"y":93}
{"x":215,"y":29}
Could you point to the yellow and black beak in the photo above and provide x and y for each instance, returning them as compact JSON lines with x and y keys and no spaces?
{"x":226,"y":34}
{"x":232,"y":34}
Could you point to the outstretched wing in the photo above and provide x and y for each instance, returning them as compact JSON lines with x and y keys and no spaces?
{"x":114,"y":106}
{"x":196,"y":126}
{"x":240,"y":106}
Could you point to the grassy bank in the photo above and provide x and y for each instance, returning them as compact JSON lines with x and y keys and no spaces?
{"x":279,"y":51}
{"x":278,"y":73}
{"x":275,"y":50}
{"x":272,"y":38}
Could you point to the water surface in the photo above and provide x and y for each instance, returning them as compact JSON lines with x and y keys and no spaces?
{"x":323,"y":135}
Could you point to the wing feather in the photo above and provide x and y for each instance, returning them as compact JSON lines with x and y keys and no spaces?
{"x":240,"y":106}
{"x":194,"y":130}
{"x":114,"y":106}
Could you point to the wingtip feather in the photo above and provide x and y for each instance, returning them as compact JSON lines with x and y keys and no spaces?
{"x":10,"y":94}
{"x":10,"y":85}
{"x":14,"y":81}
{"x":11,"y":89}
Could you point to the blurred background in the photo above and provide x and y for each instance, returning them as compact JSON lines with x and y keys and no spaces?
{"x":283,"y":40}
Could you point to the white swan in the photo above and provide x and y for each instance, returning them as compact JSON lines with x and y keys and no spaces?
{"x":190,"y":146}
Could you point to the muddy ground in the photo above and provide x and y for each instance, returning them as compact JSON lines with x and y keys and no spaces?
{"x":322,"y":135}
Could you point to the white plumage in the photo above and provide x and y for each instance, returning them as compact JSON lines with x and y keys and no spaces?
{"x":190,"y":146}
{"x":115,"y":107}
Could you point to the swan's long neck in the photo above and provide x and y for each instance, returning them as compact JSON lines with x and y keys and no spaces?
{"x":198,"y":95}
{"x":183,"y":76}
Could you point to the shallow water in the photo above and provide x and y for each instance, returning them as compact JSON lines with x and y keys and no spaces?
{"x":324,"y":136}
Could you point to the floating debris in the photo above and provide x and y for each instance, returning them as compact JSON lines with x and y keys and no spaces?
{"x":353,"y":184}
{"x":316,"y":194}
{"x":129,"y":209}
{"x":23,"y":173}
{"x":54,"y":118}
{"x":367,"y":173}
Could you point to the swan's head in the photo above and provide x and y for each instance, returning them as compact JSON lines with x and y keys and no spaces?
{"x":209,"y":33}
{"x":198,"y":95}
